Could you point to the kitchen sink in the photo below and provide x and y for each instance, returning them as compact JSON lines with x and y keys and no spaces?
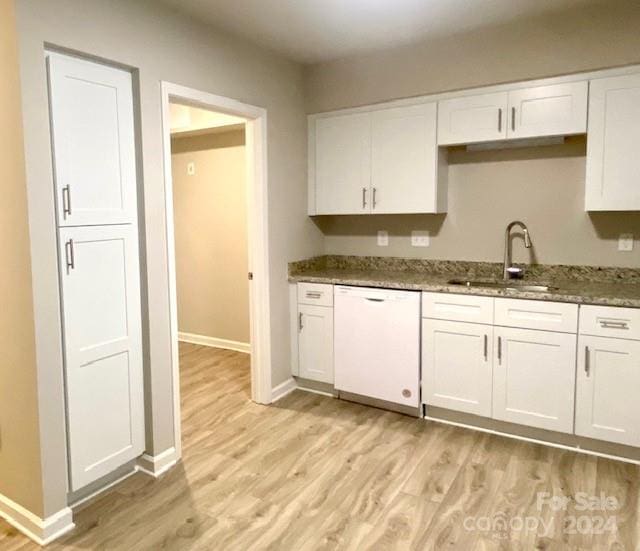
{"x":509,"y":285}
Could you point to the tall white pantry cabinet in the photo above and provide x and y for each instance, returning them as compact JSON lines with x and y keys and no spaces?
{"x":94,"y":162}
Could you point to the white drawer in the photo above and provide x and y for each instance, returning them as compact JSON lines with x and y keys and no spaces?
{"x":609,"y":321}
{"x":537,"y":314}
{"x":320,"y":294}
{"x":445,"y":306}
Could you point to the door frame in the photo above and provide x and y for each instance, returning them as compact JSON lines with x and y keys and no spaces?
{"x":257,"y":217}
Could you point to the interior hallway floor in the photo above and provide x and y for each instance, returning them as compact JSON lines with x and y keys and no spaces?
{"x":312,"y":472}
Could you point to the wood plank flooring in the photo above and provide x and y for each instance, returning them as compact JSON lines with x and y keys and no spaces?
{"x":312,"y":472}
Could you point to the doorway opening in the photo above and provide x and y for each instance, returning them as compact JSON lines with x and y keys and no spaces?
{"x":217,"y":246}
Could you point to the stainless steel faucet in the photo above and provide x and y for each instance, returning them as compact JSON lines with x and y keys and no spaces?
{"x":506,"y":273}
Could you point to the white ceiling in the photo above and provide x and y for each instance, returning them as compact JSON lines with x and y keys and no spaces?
{"x":185,"y":119}
{"x":316,"y":30}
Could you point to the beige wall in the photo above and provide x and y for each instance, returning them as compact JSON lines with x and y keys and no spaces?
{"x":20,"y":478}
{"x":543,"y":186}
{"x":159,"y":45}
{"x":210,"y":213}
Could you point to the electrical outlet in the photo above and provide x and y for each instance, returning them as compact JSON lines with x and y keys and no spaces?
{"x":191,"y":169}
{"x":420,"y":239}
{"x":625,"y":242}
{"x":383,"y":238}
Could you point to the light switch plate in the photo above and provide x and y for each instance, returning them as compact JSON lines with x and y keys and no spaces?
{"x":191,"y":169}
{"x":625,"y":242}
{"x":420,"y":239}
{"x":383,"y":238}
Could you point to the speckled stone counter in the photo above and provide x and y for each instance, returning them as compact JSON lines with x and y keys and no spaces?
{"x":576,"y":284}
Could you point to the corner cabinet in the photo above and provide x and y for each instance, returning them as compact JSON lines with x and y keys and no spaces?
{"x":384,"y":161}
{"x":613,"y":163}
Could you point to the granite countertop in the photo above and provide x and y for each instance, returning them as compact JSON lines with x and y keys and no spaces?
{"x":575,"y":284}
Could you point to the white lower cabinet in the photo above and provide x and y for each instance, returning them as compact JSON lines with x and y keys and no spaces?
{"x":457,"y":360}
{"x":534,"y":378}
{"x":100,"y":282}
{"x":315,"y":343}
{"x":608,"y":378}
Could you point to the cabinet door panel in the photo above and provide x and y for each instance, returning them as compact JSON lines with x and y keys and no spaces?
{"x":93,"y":142}
{"x":534,"y":378}
{"x":457,"y":366}
{"x":343,"y":164}
{"x":103,"y":349}
{"x":607,"y":407}
{"x":315,"y":343}
{"x":472,"y":119}
{"x":556,"y":110}
{"x":613,"y":163}
{"x":404,"y":161}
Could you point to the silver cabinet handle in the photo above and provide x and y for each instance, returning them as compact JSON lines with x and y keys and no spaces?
{"x":300,"y":325}
{"x":587,"y":367}
{"x":70,"y":256}
{"x":66,"y":201}
{"x":486,"y":347}
{"x":375,"y":299}
{"x":608,"y":324}
{"x":364,"y":197}
{"x":314,"y":294}
{"x":499,"y":120}
{"x":373,"y":200}
{"x":513,"y":119}
{"x":500,"y":349}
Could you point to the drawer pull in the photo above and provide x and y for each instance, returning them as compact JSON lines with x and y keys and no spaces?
{"x":609,"y":324}
{"x":314,"y":294}
{"x":587,"y":367}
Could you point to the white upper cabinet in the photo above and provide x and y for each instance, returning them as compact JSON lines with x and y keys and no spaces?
{"x":555,"y":110}
{"x":613,"y":162}
{"x":404,"y":161}
{"x":380,"y":162}
{"x":607,"y":407}
{"x":472,"y":119}
{"x":342,"y":173}
{"x":93,"y":140}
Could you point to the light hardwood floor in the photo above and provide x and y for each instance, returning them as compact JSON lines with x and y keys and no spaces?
{"x":312,"y":472}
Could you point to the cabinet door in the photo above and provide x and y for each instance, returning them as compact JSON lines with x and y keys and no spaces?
{"x":404,"y":161}
{"x":103,"y":350}
{"x":534,"y":378}
{"x":93,"y":142}
{"x":315,"y":343}
{"x":607,"y":406}
{"x":457,"y":366}
{"x":472,"y":119}
{"x":613,"y":163}
{"x":556,"y":110}
{"x":343,"y":164}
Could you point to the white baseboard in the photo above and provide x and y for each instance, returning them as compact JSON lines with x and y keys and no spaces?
{"x":157,"y":465}
{"x":42,"y":531}
{"x":283,"y":389}
{"x":214,"y":342}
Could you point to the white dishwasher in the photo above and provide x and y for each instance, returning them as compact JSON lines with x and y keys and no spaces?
{"x":377,"y":343}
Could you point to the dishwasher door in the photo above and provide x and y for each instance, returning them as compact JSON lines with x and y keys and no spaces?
{"x":377,"y":343}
